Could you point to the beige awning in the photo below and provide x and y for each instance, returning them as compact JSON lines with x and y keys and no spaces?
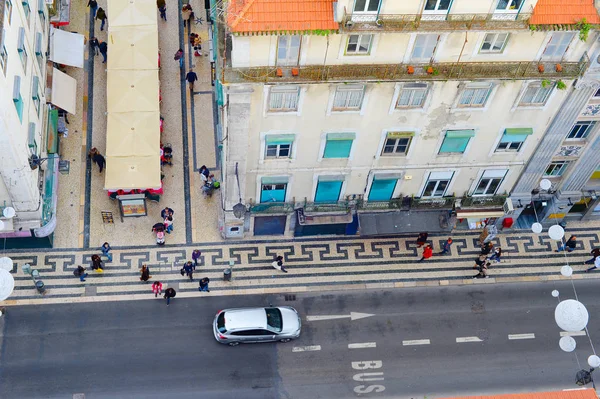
{"x":133,"y":134}
{"x":66,"y":48}
{"x":132,"y":90}
{"x":132,"y":172}
{"x":479,"y":214}
{"x":131,"y":13}
{"x":133,"y":47}
{"x":64,"y":91}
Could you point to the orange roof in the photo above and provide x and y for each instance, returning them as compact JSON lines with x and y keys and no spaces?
{"x":280,"y":15}
{"x":576,"y":394}
{"x":548,"y":12}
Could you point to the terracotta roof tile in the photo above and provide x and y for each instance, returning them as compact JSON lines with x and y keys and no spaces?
{"x":280,"y":15}
{"x":576,"y":394}
{"x":548,"y":12}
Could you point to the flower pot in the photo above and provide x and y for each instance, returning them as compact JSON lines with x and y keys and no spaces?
{"x":429,"y":70}
{"x":559,"y":68}
{"x":541,"y":68}
{"x":410,"y":70}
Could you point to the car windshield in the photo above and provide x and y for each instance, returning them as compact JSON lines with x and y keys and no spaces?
{"x":221,"y":323}
{"x":274,"y":319}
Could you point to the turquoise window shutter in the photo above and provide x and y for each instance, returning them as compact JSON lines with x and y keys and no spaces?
{"x":382,"y":190}
{"x":328,"y":191}
{"x":454,"y":145}
{"x":279,"y":138}
{"x":273,"y":189}
{"x":513,"y":138}
{"x":273,"y":195}
{"x":337,"y":149}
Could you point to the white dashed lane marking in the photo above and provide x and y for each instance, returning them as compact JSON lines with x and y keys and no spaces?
{"x":521,"y":336}
{"x":363,"y":345}
{"x":306,"y":348}
{"x":416,"y":342}
{"x":468,"y":339}
{"x":571,"y":334}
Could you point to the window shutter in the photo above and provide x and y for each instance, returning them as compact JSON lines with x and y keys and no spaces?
{"x":279,"y":139}
{"x":21,"y":39}
{"x":337,"y":148}
{"x":38,"y":44}
{"x":31,"y":135}
{"x":35,"y":88}
{"x":328,"y":191}
{"x":17,"y":89}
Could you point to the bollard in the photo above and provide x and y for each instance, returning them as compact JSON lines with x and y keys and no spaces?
{"x":39,"y":285}
{"x":227,"y":275}
{"x":26,"y":268}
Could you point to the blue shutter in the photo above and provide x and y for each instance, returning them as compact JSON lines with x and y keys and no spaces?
{"x":337,"y":149}
{"x":382,"y":189}
{"x":328,"y":191}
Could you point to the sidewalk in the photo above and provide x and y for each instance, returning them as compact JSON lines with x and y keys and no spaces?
{"x":314,"y":264}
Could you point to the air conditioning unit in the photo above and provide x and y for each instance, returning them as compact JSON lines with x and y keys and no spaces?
{"x":508,"y":207}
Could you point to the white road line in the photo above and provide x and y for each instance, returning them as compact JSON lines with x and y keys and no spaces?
{"x":572,"y":334}
{"x":521,"y":336}
{"x":468,"y":339}
{"x":306,"y":348}
{"x":363,"y":345}
{"x":416,"y":342}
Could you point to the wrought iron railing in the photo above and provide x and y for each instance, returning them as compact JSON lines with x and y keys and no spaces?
{"x":436,"y":202}
{"x":483,"y":201}
{"x":394,"y":203}
{"x":272,"y":207}
{"x":315,"y":207}
{"x":433,"y":22}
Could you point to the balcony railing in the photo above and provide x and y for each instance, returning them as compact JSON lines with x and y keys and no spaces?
{"x":400,"y":72}
{"x":434,"y":203}
{"x":272,"y":207}
{"x":433,"y":22}
{"x":483,"y":201}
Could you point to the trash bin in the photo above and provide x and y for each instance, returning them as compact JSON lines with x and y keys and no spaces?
{"x":39,"y":285}
{"x":227,"y":275}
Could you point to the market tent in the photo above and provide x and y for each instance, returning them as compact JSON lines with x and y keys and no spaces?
{"x":131,"y":13}
{"x":133,"y":134}
{"x":133,"y":48}
{"x":66,"y":48}
{"x":132,"y":91}
{"x":64,"y":91}
{"x":132,"y":172}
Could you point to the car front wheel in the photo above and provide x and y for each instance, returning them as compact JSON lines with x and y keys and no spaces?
{"x":285,"y":340}
{"x":233,"y":343}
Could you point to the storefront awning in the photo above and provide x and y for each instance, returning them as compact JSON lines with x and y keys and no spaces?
{"x":66,"y":48}
{"x":480,"y":214}
{"x":132,"y":172}
{"x":133,"y":134}
{"x":133,"y":48}
{"x":132,"y":13}
{"x":64,"y":91}
{"x":132,"y":90}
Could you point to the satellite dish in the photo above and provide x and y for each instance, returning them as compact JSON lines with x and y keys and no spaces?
{"x":239,"y":210}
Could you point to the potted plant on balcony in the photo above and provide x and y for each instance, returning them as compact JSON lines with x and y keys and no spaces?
{"x":410,"y":69}
{"x":559,"y":68}
{"x":429,"y":70}
{"x":560,"y":85}
{"x":541,"y":68}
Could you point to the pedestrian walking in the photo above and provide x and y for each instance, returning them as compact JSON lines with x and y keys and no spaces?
{"x":186,"y":13}
{"x":195,"y":256}
{"x":94,"y":46}
{"x":166,"y":212}
{"x":483,"y":271}
{"x":169,"y":293}
{"x":492,"y":230}
{"x":278,"y":264}
{"x":97,"y":158}
{"x":145,"y":273}
{"x":162,"y":8}
{"x":595,"y":254}
{"x":97,"y":263}
{"x":191,"y":77}
{"x":427,"y":252}
{"x":105,"y":248}
{"x":179,"y":57}
{"x":483,"y":236}
{"x":496,"y":254}
{"x":569,"y":245}
{"x":103,"y":47}
{"x":168,"y":224}
{"x":421,"y":239}
{"x":486,"y":249}
{"x":101,"y":15}
{"x":157,"y":288}
{"x":204,"y":284}
{"x":480,"y":261}
{"x":446,"y":246}
{"x":596,"y":264}
{"x":189,"y":270}
{"x":93,"y":5}
{"x":80,"y":272}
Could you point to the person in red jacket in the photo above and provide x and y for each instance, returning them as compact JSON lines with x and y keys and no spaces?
{"x":427,"y":252}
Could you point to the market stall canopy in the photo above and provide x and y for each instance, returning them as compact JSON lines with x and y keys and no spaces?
{"x":133,"y":48}
{"x":64,"y":91}
{"x":132,"y":91}
{"x":131,"y":13}
{"x":66,"y":48}
{"x":133,"y":172}
{"x":133,"y":134}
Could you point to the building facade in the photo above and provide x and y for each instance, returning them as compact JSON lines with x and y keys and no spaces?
{"x":383,"y":116}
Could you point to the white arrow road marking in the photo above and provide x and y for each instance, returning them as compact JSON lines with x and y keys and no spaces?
{"x":521,"y":336}
{"x":572,"y":334}
{"x":468,"y":339}
{"x":363,"y":345}
{"x":306,"y":348}
{"x":416,"y":342}
{"x":351,"y":316}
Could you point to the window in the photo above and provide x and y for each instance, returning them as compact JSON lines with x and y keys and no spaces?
{"x":456,"y":141}
{"x":509,"y":5}
{"x":328,"y":189}
{"x":284,"y":98}
{"x":17,"y":99}
{"x":348,"y":98}
{"x":489,"y":182}
{"x":21,"y":48}
{"x":26,"y":10}
{"x":366,"y":5}
{"x":412,"y":95}
{"x":437,"y":184}
{"x":251,"y":333}
{"x":437,"y":5}
{"x":512,"y":140}
{"x":338,"y":145}
{"x":494,"y":42}
{"x":288,"y":50}
{"x":556,"y":169}
{"x":536,"y":94}
{"x":425,"y":47}
{"x":359,"y":44}
{"x":597,"y":93}
{"x":3,"y":58}
{"x":274,"y":319}
{"x":581,"y":130}
{"x":35,"y":93}
{"x":475,"y":95}
{"x":382,"y":188}
{"x":41,"y":7}
{"x":31,"y":142}
{"x":557,"y":46}
{"x":397,"y":143}
{"x":273,"y":189}
{"x":278,"y":146}
{"x":8,"y":10}
{"x":38,"y":51}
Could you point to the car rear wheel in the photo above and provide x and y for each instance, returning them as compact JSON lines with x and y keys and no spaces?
{"x":285,"y":340}
{"x":233,"y":343}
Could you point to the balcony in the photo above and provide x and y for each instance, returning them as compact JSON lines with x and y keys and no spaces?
{"x":433,"y":23}
{"x":483,"y":201}
{"x":272,"y":207}
{"x":440,"y":71}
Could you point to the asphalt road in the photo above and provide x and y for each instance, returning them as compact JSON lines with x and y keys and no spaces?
{"x":407,"y":349}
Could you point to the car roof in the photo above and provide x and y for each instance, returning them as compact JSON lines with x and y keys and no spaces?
{"x":245,"y":318}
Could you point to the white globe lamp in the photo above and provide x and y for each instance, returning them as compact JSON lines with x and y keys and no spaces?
{"x":571,"y":315}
